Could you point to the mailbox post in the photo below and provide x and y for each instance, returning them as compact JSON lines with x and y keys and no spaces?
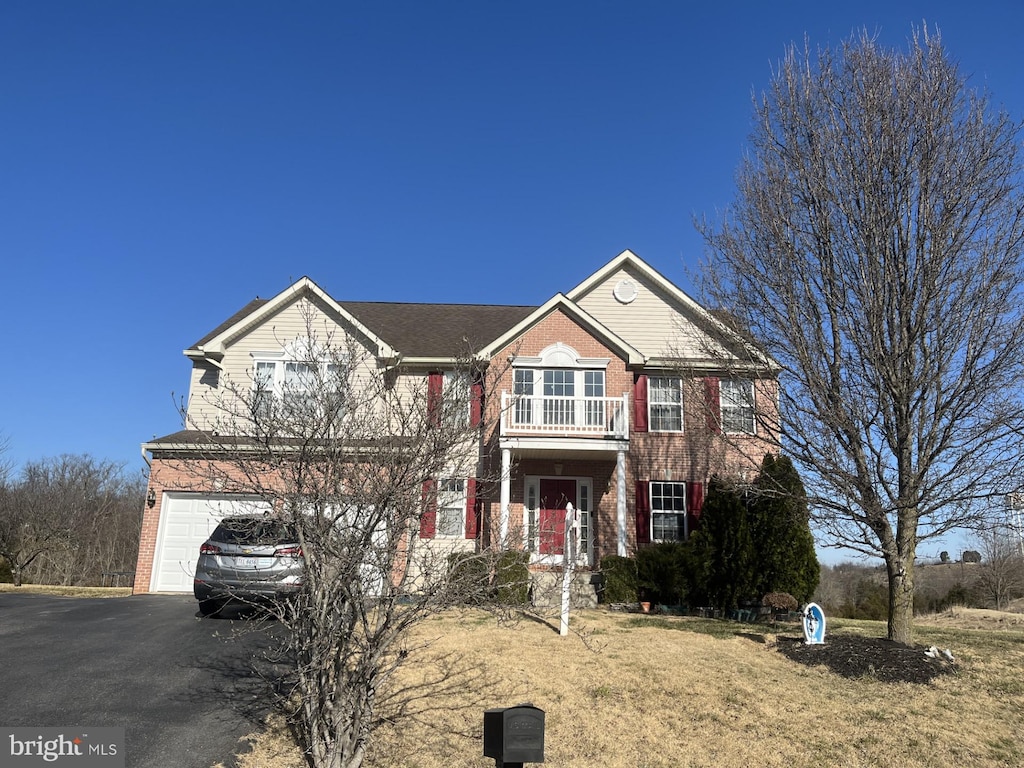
{"x":514,"y":735}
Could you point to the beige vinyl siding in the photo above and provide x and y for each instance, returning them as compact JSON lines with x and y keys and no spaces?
{"x":271,"y":336}
{"x":652,"y":322}
{"x":205,"y":386}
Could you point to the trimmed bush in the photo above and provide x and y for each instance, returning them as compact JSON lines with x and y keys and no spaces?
{"x":620,"y":580}
{"x":779,"y":602}
{"x":6,"y":574}
{"x":512,"y":578}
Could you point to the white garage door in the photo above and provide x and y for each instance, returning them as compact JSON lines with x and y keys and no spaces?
{"x":186,"y":522}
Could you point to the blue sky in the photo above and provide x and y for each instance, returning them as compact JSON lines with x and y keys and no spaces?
{"x":161,"y":163}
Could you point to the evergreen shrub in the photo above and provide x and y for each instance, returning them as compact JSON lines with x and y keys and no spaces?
{"x":662,"y":573}
{"x":620,"y":580}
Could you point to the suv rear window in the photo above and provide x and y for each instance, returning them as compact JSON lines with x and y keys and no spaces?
{"x":249,"y":530}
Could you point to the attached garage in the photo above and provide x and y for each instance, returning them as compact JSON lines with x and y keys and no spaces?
{"x":186,"y":522}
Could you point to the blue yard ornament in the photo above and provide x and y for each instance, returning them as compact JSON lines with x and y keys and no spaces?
{"x":814,"y":624}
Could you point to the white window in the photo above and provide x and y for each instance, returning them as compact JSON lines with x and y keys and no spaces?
{"x":584,"y":509}
{"x":451,"y":507}
{"x":523,"y":391}
{"x":668,"y":511}
{"x":532,"y":533}
{"x":457,"y":395}
{"x":564,"y":397}
{"x":737,"y":396}
{"x":665,"y":403}
{"x":264,"y":386}
{"x":593,"y":387}
{"x":296,"y":386}
{"x":559,"y":391}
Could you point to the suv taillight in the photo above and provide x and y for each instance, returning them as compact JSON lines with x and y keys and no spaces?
{"x":209,"y":549}
{"x":288,"y":552}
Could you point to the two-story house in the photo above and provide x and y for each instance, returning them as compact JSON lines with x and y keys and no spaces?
{"x":621,"y":397}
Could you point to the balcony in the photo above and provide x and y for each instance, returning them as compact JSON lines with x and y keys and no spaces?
{"x":533,"y":415}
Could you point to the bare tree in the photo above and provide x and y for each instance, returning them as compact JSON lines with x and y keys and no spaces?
{"x":1001,"y":575}
{"x":6,"y":466}
{"x":874,"y":249}
{"x":352,"y":455}
{"x":67,"y":519}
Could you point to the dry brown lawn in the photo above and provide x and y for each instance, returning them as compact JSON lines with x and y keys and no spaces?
{"x":976,"y":618}
{"x":665,"y":691}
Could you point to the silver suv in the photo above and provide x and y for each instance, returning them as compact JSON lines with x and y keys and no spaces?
{"x":251,"y":558}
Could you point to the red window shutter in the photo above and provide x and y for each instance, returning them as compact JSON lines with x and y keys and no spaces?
{"x":640,"y":403}
{"x":435,"y":386}
{"x":428,"y":517}
{"x":694,"y":504}
{"x":712,"y":397}
{"x":476,"y":402}
{"x":643,"y":513}
{"x":472,"y":509}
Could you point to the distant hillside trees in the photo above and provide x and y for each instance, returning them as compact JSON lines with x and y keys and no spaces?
{"x":1001,"y":575}
{"x":68,"y":520}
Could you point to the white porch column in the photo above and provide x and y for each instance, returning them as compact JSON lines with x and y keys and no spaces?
{"x":620,"y":500}
{"x":506,"y":494}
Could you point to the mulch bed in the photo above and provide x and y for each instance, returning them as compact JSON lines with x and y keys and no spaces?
{"x":854,"y":656}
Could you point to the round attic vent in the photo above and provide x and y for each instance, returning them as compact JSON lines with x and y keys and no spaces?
{"x":625,"y":291}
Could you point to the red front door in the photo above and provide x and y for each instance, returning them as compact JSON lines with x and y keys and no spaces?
{"x":555,"y":493}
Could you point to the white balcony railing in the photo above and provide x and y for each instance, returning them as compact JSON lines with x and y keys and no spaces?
{"x":565,"y":416}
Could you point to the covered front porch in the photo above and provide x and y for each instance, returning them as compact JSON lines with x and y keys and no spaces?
{"x":541,"y":476}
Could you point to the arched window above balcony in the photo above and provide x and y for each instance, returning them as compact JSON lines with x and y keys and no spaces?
{"x":560,"y":355}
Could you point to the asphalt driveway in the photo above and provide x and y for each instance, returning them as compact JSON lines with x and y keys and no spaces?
{"x":181,"y":686}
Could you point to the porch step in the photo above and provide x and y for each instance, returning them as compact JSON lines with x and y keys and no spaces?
{"x":546,"y":590}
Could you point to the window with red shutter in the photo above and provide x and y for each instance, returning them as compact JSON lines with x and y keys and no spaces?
{"x":668,"y":510}
{"x":665,"y":404}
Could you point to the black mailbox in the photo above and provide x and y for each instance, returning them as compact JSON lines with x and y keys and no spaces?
{"x":514,"y":734}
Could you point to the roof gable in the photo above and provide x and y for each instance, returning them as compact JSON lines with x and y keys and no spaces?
{"x":647,"y":310}
{"x":559,"y":302}
{"x":659,"y":323}
{"x":255,"y":313}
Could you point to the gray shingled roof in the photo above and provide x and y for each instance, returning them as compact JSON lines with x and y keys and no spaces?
{"x":418,"y":330}
{"x":248,"y":309}
{"x":436,"y":330}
